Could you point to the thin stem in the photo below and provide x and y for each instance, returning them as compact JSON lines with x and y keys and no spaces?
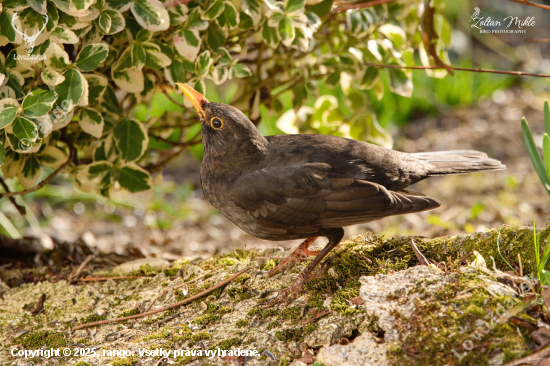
{"x":18,"y":207}
{"x":536,"y":5}
{"x":517,"y":73}
{"x":153,"y":168}
{"x":173,"y":306}
{"x":362,"y":5}
{"x":540,"y":40}
{"x":47,"y":180}
{"x":172,"y":99}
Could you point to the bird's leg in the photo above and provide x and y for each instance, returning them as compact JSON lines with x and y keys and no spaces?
{"x":334,"y":238}
{"x":290,"y":261}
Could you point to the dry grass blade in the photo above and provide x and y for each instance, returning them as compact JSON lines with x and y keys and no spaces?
{"x":175,"y":305}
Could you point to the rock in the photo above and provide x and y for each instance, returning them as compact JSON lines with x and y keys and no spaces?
{"x":157,"y":264}
{"x":364,"y":351}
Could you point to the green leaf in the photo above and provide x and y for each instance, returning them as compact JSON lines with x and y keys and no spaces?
{"x":370,"y":77}
{"x":175,"y":73}
{"x":64,"y":35}
{"x":52,"y":157}
{"x":24,"y":130}
{"x":71,"y":89}
{"x":240,"y":71}
{"x":546,"y":153}
{"x":269,"y":35}
{"x":82,"y":4}
{"x":96,"y":86}
{"x":286,"y":31}
{"x":2,"y":155}
{"x":38,"y":5}
{"x":546,"y":118}
{"x":214,"y":10}
{"x":131,"y":139}
{"x":139,"y":56}
{"x":110,"y":22}
{"x":322,"y":8}
{"x":7,"y":115}
{"x":91,"y":56}
{"x":230,"y":17}
{"x":215,"y":37}
{"x":133,"y":178}
{"x":91,"y":122}
{"x":143,"y":35}
{"x":39,"y":102}
{"x":101,"y":174}
{"x":155,"y":59}
{"x":401,"y":82}
{"x":294,"y":5}
{"x":6,"y":28}
{"x":534,"y":154}
{"x":151,"y":14}
{"x":203,"y":63}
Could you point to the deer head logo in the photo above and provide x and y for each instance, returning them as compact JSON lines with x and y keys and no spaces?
{"x":29,"y":40}
{"x":475,"y":15}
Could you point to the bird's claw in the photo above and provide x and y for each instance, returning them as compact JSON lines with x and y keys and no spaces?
{"x":287,"y":295}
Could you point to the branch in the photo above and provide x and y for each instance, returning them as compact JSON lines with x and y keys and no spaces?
{"x":517,"y":73}
{"x":358,"y":6}
{"x":173,"y":306}
{"x":536,"y":5}
{"x":540,"y":40}
{"x":19,"y":208}
{"x":153,"y":168}
{"x":47,"y":180}
{"x":174,"y":143}
{"x":172,"y":99}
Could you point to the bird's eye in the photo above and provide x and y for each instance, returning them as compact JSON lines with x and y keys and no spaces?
{"x":216,"y":123}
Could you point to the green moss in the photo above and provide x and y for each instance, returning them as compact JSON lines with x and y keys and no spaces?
{"x":93,"y":318}
{"x":171,"y":272}
{"x":144,"y":270}
{"x":123,"y":361}
{"x":267,"y":313}
{"x":206,"y":319}
{"x":291,"y":334}
{"x":201,"y":336}
{"x":225,"y":310}
{"x":310,"y":328}
{"x":254,"y":311}
{"x":128,"y":312}
{"x":291,"y":313}
{"x":228,"y":343}
{"x":39,"y":339}
{"x":273,"y":324}
{"x":82,"y":363}
{"x":466,"y":324}
{"x":242,"y":322}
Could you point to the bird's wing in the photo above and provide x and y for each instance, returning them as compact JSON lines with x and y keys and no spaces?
{"x":308,"y":197}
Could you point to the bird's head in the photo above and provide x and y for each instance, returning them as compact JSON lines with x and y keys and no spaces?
{"x":224,"y":128}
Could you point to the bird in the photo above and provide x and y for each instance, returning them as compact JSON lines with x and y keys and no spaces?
{"x":305,"y":186}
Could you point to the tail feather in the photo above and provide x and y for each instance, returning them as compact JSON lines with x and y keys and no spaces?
{"x":458,"y":162}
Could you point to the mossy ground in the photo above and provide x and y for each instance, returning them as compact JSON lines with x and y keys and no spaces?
{"x":229,"y":317}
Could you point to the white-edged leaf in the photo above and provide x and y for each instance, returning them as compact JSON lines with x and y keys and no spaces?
{"x":131,"y":139}
{"x":38,"y":102}
{"x":91,"y":56}
{"x":133,"y":178}
{"x":129,"y":80}
{"x":294,"y":5}
{"x":188,"y":43}
{"x":203,"y":63}
{"x":151,"y":14}
{"x":83,"y":101}
{"x":240,"y":71}
{"x":24,"y":130}
{"x":214,"y":10}
{"x":155,"y":59}
{"x":286,"y":31}
{"x":110,"y":22}
{"x":8,"y":111}
{"x":138,"y":55}
{"x":2,"y":155}
{"x":29,"y":172}
{"x":56,"y":57}
{"x":91,"y":122}
{"x":51,"y":77}
{"x":71,"y":89}
{"x":64,"y":35}
{"x":96,"y":86}
{"x":52,"y":157}
{"x":38,"y":5}
{"x":99,"y":175}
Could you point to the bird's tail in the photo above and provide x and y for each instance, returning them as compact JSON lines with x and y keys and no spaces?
{"x":458,"y":162}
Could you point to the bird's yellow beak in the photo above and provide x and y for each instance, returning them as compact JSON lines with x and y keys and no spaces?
{"x":196,"y":98}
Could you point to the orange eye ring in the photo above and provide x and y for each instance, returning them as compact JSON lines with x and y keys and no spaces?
{"x":216,"y":123}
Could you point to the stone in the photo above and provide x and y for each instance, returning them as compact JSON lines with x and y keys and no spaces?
{"x":157,"y":264}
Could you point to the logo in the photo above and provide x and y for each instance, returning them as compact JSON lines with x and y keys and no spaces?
{"x":510,"y":24}
{"x":29,"y":40}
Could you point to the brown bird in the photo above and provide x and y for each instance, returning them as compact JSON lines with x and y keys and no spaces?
{"x":305,"y":186}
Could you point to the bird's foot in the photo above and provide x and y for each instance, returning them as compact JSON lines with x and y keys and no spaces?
{"x":296,"y":256}
{"x":290,"y":293}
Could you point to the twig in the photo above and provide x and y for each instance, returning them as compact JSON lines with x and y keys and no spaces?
{"x":180,"y":286}
{"x":175,"y":305}
{"x":47,"y":180}
{"x":153,"y":168}
{"x":93,"y":279}
{"x":540,"y":40}
{"x":19,"y":208}
{"x":536,"y":5}
{"x":174,"y":143}
{"x":39,"y":305}
{"x":517,"y":73}
{"x":360,"y":5}
{"x":423,"y":261}
{"x":74,"y":275}
{"x":172,"y":99}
